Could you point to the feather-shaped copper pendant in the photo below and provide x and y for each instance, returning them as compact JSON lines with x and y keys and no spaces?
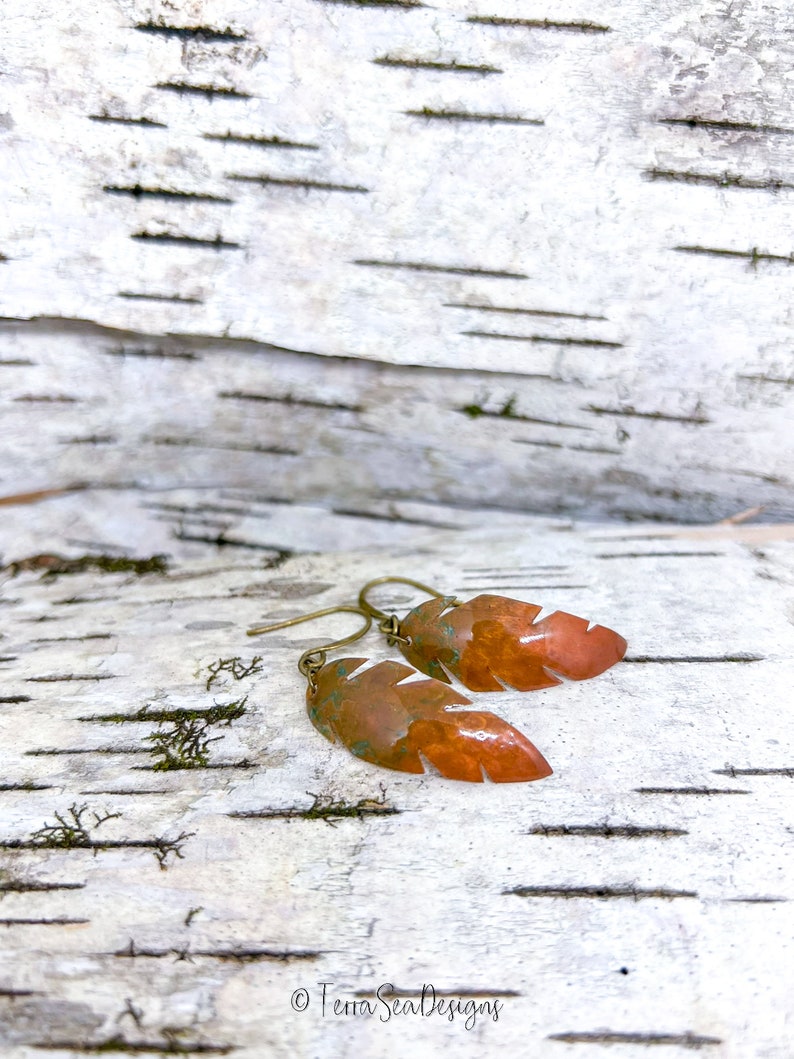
{"x":394,"y":724}
{"x":491,"y":641}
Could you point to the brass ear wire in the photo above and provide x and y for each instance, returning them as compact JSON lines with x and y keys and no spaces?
{"x":389,"y":624}
{"x":312,"y":661}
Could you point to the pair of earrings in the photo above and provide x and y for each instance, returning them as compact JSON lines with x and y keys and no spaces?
{"x":486,"y":643}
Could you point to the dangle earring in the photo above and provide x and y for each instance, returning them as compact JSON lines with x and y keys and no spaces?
{"x":492,"y":641}
{"x":386,"y":721}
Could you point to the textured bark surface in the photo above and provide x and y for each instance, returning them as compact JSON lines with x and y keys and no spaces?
{"x":517,"y":257}
{"x":296,"y":295}
{"x":641,"y":894}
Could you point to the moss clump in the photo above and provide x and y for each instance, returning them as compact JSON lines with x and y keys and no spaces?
{"x":325,"y":807}
{"x":223,"y":713}
{"x":70,"y":830}
{"x":507,"y":411}
{"x":55,"y":565}
{"x":185,"y":744}
{"x":235,"y":666}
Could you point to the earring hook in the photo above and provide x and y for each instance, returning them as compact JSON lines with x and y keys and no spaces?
{"x":381,"y":615}
{"x":311,"y":661}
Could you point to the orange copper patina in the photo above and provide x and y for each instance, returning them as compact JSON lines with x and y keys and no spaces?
{"x":491,"y":641}
{"x":396,"y":725}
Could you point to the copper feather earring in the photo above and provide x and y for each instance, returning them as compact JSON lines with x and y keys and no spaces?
{"x":383,"y":719}
{"x":493,"y":641}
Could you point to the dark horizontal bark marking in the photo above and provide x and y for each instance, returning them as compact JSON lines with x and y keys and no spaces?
{"x":538,"y":23}
{"x":730,"y":126}
{"x":267,"y":450}
{"x":599,"y":892}
{"x":768,"y":378}
{"x":731,"y":771}
{"x":465,"y":115}
{"x":424,"y":64}
{"x":671,"y":659}
{"x":169,"y":239}
{"x":124,"y":792}
{"x":753,"y":256}
{"x":540,"y":444}
{"x":259,"y":141}
{"x":202,"y":90}
{"x":658,"y":555}
{"x":223,"y":509}
{"x":221,"y":765}
{"x":144,"y":122}
{"x":592,"y":448}
{"x":52,"y":564}
{"x":617,"y":538}
{"x":684,"y":1040}
{"x":35,"y":398}
{"x":563,"y":341}
{"x":18,"y":886}
{"x":774,"y":479}
{"x":375,"y":3}
{"x":223,"y":625}
{"x":8,"y":658}
{"x":145,"y":715}
{"x":476,"y":412}
{"x":515,"y":587}
{"x":62,"y":922}
{"x":157,"y":352}
{"x":240,"y":955}
{"x":17,"y":362}
{"x":57,"y":752}
{"x":71,"y":601}
{"x":717,"y":180}
{"x":473,"y":993}
{"x":70,"y":676}
{"x":93,"y":439}
{"x":74,"y":639}
{"x":303,"y":402}
{"x":757,"y":900}
{"x":514,"y":569}
{"x":381,"y":517}
{"x":203,"y":33}
{"x":14,"y":993}
{"x":139,"y":296}
{"x":446,"y":269}
{"x":141,"y":843}
{"x":522,"y":312}
{"x":26,"y":786}
{"x":605,"y":831}
{"x":326,"y":813}
{"x":629,"y":411}
{"x":136,"y":191}
{"x":639,"y":514}
{"x":308,"y":185}
{"x":708,"y":791}
{"x":168,"y":1046}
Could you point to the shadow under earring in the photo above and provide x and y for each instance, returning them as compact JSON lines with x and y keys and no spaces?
{"x":384,"y":718}
{"x":491,"y":641}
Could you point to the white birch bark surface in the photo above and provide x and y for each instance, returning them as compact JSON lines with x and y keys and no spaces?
{"x":638,"y":897}
{"x":516,"y":257}
{"x":298,"y":294}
